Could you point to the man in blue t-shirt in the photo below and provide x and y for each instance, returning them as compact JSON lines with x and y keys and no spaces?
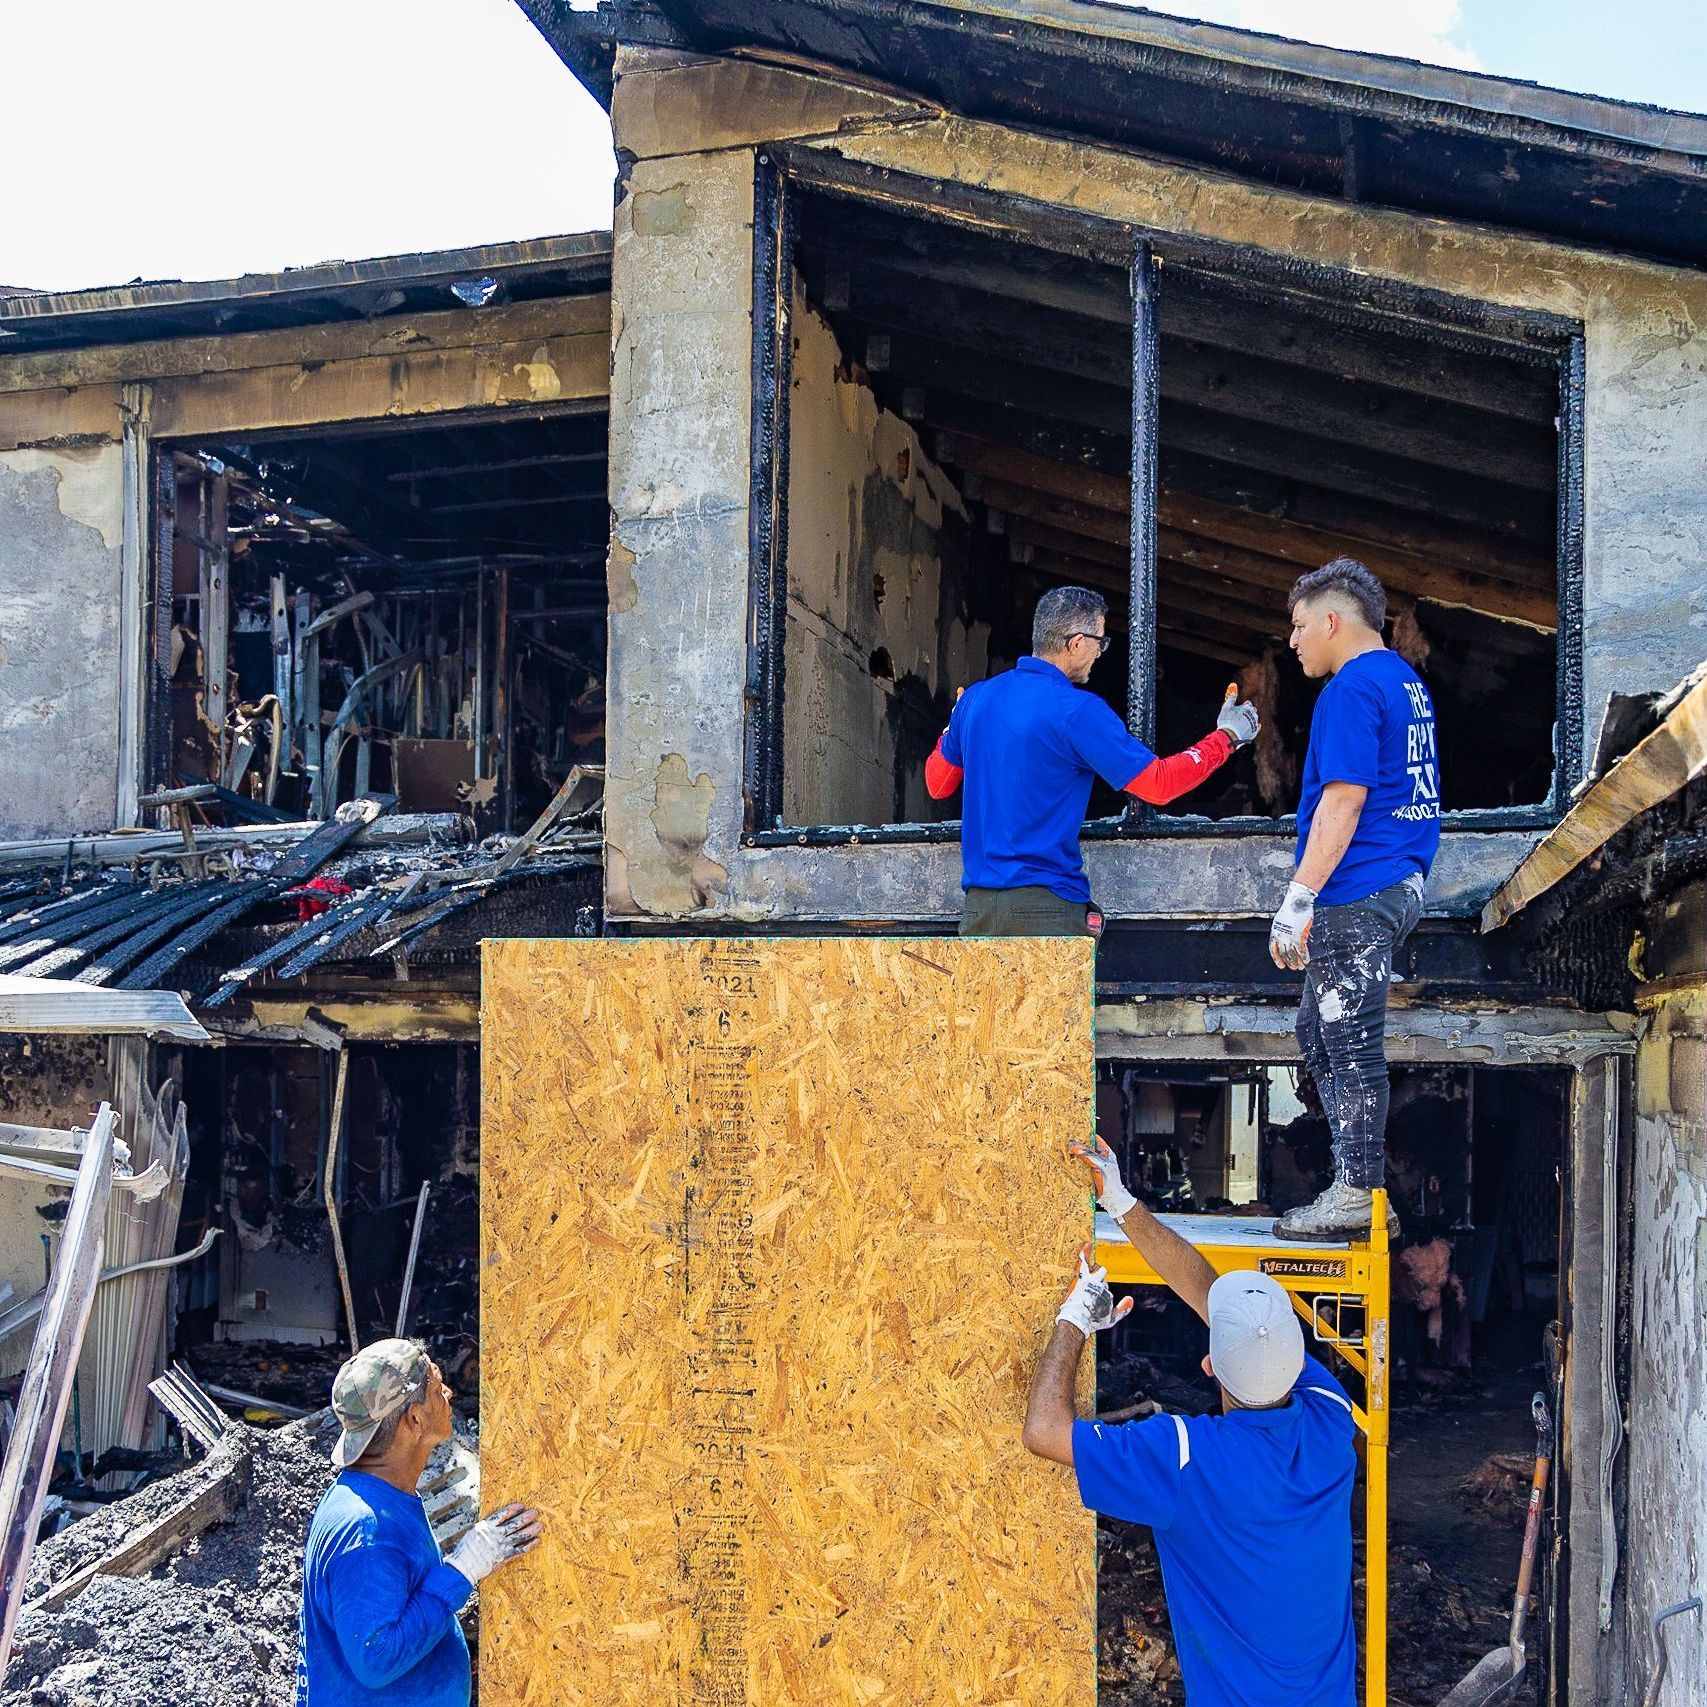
{"x":1251,"y":1510}
{"x":379,"y":1601}
{"x":1028,"y":744}
{"x":1368,"y":829}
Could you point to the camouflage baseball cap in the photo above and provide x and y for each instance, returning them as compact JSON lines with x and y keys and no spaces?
{"x":378,"y":1382}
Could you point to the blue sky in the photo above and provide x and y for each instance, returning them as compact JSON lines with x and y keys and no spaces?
{"x":298,"y":131}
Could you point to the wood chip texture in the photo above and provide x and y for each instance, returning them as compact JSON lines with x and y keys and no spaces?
{"x":772,"y":1234}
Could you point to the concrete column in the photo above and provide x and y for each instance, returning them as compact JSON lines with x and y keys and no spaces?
{"x":681,"y":385}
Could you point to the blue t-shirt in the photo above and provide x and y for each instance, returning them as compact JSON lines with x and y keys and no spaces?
{"x":1251,"y":1513}
{"x":1031,"y":743}
{"x":1374,"y":725}
{"x":379,"y":1604}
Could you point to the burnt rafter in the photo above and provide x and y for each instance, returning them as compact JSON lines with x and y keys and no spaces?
{"x":1359,"y":409}
{"x":917,"y":362}
{"x":1309,"y":548}
{"x":1192,"y":529}
{"x":874,"y":256}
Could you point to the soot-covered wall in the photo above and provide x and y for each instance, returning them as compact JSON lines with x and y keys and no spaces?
{"x":878,"y":635}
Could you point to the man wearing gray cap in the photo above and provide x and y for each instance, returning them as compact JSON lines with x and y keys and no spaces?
{"x":1251,"y":1509}
{"x":379,"y":1601}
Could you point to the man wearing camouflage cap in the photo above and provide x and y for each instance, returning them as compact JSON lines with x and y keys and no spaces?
{"x":379,"y":1601}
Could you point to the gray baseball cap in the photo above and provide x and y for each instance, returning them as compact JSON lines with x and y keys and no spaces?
{"x":1256,"y":1346}
{"x":378,"y":1382}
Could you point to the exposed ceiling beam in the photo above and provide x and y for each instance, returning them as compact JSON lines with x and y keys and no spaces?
{"x":1376,"y":417}
{"x":1317,"y":345}
{"x":1309,"y":549}
{"x":1091,"y":512}
{"x":1215,"y":430}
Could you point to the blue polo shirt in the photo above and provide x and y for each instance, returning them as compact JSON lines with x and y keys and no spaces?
{"x":1251,"y":1512}
{"x":1031,"y":743}
{"x":379,"y":1604}
{"x":1374,"y":725}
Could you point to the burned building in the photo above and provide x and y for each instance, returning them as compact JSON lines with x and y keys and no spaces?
{"x":910,"y":313}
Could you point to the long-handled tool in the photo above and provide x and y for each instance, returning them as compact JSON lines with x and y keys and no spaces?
{"x":1496,"y":1676}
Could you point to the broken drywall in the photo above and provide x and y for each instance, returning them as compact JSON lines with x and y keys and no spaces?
{"x":877,"y":635}
{"x":60,"y":520}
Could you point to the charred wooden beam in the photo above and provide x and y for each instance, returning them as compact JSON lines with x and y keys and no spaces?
{"x":1374,"y":415}
{"x":1309,"y":548}
{"x":1225,"y":315}
{"x":1085,"y":501}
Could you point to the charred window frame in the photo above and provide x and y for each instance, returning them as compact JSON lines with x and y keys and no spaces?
{"x":779,"y":174}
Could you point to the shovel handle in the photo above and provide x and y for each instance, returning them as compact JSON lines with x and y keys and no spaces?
{"x":1531,"y":1541}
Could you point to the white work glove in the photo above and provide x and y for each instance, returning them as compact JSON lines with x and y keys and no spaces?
{"x":1289,"y":935}
{"x":1112,"y":1195}
{"x":500,"y":1536}
{"x":1090,"y":1306}
{"x":1238,"y":717}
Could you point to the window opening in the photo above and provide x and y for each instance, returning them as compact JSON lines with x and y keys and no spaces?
{"x":956,"y":412}
{"x":416,"y":611}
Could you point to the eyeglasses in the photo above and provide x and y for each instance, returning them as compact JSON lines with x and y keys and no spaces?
{"x":1104,"y":641}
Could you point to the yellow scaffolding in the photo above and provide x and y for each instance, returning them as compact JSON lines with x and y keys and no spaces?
{"x":1322,"y":1280}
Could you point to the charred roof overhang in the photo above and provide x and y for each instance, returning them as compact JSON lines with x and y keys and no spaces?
{"x":307,"y":296}
{"x":1387,"y":132}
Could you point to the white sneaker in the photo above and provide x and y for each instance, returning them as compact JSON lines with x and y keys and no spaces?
{"x":1341,"y":1212}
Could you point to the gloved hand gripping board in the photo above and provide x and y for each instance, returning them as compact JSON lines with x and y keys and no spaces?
{"x":772,"y":1233}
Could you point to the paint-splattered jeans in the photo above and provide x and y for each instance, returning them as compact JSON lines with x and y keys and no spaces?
{"x":1342,"y":1022}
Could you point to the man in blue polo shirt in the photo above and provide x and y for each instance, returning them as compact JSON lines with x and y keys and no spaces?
{"x":1368,"y":830}
{"x":1028,"y":744}
{"x":1251,"y":1509}
{"x":379,"y":1601}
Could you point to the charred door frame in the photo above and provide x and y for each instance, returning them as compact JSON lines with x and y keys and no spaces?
{"x":1545,"y":339}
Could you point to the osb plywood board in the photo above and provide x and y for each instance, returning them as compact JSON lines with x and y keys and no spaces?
{"x":772,"y":1233}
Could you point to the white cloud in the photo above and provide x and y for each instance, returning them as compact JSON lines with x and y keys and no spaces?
{"x":216,"y":137}
{"x":1409,"y":29}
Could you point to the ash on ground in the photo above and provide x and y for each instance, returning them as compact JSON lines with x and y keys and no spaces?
{"x":214,"y":1626}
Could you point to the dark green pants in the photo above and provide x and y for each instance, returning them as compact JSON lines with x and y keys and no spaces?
{"x":1032,"y":911}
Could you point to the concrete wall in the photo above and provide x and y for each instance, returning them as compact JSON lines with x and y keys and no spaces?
{"x":877,"y":562}
{"x":60,"y":520}
{"x":680,"y":437}
{"x":1666,"y":1471}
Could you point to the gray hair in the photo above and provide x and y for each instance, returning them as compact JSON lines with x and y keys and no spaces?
{"x":1061,"y":613}
{"x":1348,"y":579}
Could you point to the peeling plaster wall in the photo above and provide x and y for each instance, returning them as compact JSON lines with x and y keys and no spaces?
{"x":877,"y":635}
{"x":1666,"y":1531}
{"x":680,"y":460}
{"x":681,"y":379}
{"x":60,"y":520}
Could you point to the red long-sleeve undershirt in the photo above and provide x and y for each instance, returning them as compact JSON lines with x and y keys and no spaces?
{"x":1158,"y":783}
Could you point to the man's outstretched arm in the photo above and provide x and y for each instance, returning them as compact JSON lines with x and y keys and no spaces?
{"x":1049,"y":1413}
{"x":1165,"y":780}
{"x":1181,"y":1265}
